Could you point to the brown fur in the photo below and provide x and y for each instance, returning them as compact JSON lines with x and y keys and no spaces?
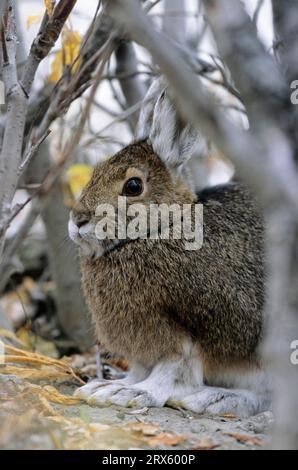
{"x":148,"y":296}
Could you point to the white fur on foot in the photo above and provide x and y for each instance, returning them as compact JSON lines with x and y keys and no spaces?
{"x":142,"y":387}
{"x":214,"y":400}
{"x":135,"y":375}
{"x":125,"y":396}
{"x":86,"y":391}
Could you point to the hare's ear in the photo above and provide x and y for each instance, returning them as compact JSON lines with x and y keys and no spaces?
{"x":147,"y":110}
{"x":172,"y":139}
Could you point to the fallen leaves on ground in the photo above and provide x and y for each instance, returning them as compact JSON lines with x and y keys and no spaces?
{"x":39,"y":415}
{"x":167,"y":439}
{"x":29,"y":409}
{"x":43,"y":407}
{"x":154,"y":436}
{"x":205,"y":444}
{"x":245,"y":438}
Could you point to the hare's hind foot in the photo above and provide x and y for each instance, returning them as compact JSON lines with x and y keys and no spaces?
{"x":215,"y":401}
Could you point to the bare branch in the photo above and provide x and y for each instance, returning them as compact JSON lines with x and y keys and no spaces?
{"x":257,"y":76}
{"x":7,"y":266}
{"x":17,"y":96}
{"x":118,"y":118}
{"x":252,"y":157}
{"x":175,"y":28}
{"x":75,"y":138}
{"x":31,"y":152}
{"x":45,"y":41}
{"x":16,"y":116}
{"x":285,"y":16}
{"x":132,"y":87}
{"x":257,"y":12}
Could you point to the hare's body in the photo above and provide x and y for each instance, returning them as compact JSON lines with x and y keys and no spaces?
{"x":186,"y":319}
{"x":148,"y":296}
{"x":189,"y":321}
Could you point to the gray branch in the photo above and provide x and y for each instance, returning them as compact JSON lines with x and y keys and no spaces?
{"x":174,"y":27}
{"x":256,"y":74}
{"x":16,"y":99}
{"x":252,"y":157}
{"x":285,"y":17}
{"x":132,"y":87}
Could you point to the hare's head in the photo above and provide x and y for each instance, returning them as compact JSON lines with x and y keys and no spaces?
{"x":150,"y":171}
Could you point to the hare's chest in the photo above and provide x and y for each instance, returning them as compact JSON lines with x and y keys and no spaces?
{"x":113,"y":294}
{"x":129,"y":318}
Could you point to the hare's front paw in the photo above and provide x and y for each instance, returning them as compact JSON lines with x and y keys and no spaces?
{"x":86,"y":391}
{"x":214,"y":400}
{"x":117,"y":394}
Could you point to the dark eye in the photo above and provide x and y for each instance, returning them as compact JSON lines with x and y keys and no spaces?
{"x":133,"y":187}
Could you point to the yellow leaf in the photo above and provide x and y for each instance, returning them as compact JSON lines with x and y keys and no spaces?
{"x":57,"y":68}
{"x":78,"y":176}
{"x":32,"y":19}
{"x":49,"y":6}
{"x":71,"y":43}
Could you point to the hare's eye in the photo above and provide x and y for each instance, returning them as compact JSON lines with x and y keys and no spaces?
{"x":133,"y":187}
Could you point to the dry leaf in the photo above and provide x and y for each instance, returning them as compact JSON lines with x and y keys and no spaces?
{"x":49,"y":6}
{"x":229,"y":416}
{"x":245,"y":438}
{"x":35,"y":374}
{"x":50,"y":393}
{"x":153,"y":436}
{"x":32,"y":19}
{"x":147,"y":429}
{"x":205,"y":444}
{"x":78,"y":176}
{"x":46,"y":367}
{"x":167,"y":439}
{"x":71,"y":43}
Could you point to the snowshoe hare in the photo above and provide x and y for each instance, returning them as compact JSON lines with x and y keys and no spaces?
{"x":189,"y":321}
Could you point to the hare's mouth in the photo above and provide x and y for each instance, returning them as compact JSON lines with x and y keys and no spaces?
{"x":115,"y":245}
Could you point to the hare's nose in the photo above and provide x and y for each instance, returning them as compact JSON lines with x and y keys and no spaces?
{"x":80,"y":219}
{"x":83,"y":220}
